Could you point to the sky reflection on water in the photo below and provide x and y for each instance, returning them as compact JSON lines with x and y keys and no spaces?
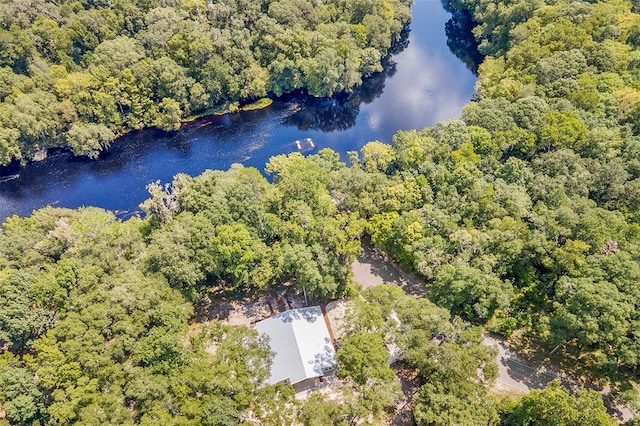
{"x":423,"y":84}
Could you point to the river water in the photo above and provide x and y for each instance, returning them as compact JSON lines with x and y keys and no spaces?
{"x":423,"y":83}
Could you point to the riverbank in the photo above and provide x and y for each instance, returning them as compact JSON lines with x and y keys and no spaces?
{"x":423,"y":83}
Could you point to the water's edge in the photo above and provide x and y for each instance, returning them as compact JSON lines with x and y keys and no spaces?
{"x":422,"y":83}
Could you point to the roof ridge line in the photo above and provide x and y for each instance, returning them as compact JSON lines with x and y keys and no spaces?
{"x":295,"y":338}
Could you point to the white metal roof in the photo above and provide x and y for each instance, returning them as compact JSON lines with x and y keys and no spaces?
{"x":301,"y":342}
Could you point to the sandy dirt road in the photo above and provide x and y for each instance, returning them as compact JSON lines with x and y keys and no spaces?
{"x":516,"y":375}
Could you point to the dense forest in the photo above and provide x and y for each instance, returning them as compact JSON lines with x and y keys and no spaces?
{"x":76,"y":74}
{"x":95,"y":312}
{"x":522,"y":217}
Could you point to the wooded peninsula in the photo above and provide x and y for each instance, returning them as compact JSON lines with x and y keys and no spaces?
{"x":522,"y":217}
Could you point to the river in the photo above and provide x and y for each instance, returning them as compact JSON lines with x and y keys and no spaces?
{"x":423,"y":83}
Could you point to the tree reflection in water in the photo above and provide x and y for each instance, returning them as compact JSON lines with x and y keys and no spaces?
{"x":340,"y":111}
{"x":461,"y":40}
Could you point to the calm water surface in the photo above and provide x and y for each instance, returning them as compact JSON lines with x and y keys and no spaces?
{"x":423,"y":84}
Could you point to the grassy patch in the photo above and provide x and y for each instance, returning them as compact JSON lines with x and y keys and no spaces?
{"x":259,"y":104}
{"x":219,"y":110}
{"x":227,"y":108}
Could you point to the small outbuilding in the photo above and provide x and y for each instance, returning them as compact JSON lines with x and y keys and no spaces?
{"x":302,"y":345}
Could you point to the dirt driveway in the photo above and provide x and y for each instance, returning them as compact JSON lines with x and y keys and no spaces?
{"x":374,"y":267}
{"x":515,"y":375}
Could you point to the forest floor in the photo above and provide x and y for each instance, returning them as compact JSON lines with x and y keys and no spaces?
{"x":251,"y":308}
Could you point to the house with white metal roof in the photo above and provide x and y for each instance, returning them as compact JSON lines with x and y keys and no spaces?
{"x":302,"y":345}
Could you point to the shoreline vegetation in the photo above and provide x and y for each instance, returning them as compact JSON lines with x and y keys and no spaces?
{"x":78,"y":74}
{"x":522,"y":217}
{"x":229,"y":109}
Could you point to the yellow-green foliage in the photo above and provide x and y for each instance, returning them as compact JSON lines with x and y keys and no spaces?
{"x":259,"y":104}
